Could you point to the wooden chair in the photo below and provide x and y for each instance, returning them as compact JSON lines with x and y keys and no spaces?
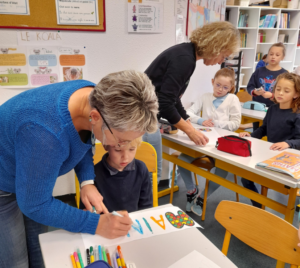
{"x":259,"y":229}
{"x":145,"y":152}
{"x":205,"y":163}
{"x":244,"y":96}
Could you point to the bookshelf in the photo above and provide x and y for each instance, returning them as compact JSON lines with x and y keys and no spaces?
{"x":253,"y":44}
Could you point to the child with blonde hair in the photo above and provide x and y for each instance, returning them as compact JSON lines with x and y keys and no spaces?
{"x":282,"y":122}
{"x":221,"y":109}
{"x":122,"y":180}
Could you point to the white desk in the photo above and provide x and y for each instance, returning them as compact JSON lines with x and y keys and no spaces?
{"x":159,"y":251}
{"x":260,"y":115}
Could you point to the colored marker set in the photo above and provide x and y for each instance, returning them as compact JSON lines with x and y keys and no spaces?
{"x":99,"y":253}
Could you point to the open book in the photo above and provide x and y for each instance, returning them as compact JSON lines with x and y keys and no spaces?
{"x":286,"y":163}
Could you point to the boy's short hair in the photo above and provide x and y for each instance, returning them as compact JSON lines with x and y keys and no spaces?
{"x":278,"y":45}
{"x":135,"y":143}
{"x":227,"y":72}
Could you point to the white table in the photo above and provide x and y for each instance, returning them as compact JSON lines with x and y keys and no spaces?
{"x":241,"y":166}
{"x":158,"y":251}
{"x":260,"y":115}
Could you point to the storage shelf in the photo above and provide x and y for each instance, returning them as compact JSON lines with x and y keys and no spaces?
{"x":244,"y":67}
{"x":267,"y":28}
{"x":243,"y":85}
{"x":288,"y":29}
{"x":246,"y":47}
{"x":247,"y":28}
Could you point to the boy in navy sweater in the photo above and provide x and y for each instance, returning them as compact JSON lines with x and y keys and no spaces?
{"x":122,"y":180}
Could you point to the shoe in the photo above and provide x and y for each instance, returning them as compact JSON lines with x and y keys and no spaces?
{"x":197,"y":206}
{"x":175,"y":179}
{"x":190,"y":200}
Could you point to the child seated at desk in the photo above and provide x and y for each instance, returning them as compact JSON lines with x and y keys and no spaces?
{"x":122,"y":180}
{"x":220,"y":109}
{"x":262,"y":80}
{"x":282,"y":122}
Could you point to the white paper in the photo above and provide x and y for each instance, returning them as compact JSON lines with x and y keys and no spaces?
{"x":181,"y":7}
{"x":13,"y":67}
{"x":43,"y":66}
{"x":194,"y":260}
{"x":77,"y":12}
{"x":180,"y":29}
{"x":16,"y":7}
{"x":145,"y":18}
{"x":156,"y":229}
{"x":44,"y":38}
{"x":72,"y":61}
{"x":209,"y":132}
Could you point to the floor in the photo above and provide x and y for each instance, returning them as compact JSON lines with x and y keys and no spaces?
{"x":239,"y":253}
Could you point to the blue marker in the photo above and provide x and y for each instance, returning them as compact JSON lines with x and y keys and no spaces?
{"x":100,"y":252}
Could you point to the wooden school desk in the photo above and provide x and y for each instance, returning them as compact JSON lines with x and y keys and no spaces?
{"x":250,"y":116}
{"x":241,"y":166}
{"x":158,"y":251}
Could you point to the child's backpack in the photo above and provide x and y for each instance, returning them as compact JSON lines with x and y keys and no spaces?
{"x":98,"y":264}
{"x":254,"y":105}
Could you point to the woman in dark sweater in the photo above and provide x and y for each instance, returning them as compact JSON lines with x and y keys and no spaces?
{"x":171,"y":71}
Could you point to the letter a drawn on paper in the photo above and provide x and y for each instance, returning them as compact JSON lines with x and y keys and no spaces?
{"x":158,"y":221}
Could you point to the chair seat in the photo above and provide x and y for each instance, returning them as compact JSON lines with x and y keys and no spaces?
{"x":202,"y":162}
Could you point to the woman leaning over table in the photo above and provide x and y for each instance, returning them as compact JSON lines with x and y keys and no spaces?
{"x":171,"y":71}
{"x":46,"y":132}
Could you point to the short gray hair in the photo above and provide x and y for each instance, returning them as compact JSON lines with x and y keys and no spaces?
{"x":127,"y":101}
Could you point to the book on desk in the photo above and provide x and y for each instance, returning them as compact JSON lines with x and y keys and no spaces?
{"x":286,"y":163}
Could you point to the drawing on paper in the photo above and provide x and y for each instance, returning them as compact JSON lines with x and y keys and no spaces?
{"x":140,"y":229}
{"x":178,"y":221}
{"x":159,"y":222}
{"x":148,"y":225}
{"x":205,"y":129}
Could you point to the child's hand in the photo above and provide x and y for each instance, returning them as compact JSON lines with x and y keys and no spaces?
{"x":259,"y":92}
{"x":244,"y":134}
{"x":267,"y":95}
{"x":208,"y":123}
{"x":279,"y":146}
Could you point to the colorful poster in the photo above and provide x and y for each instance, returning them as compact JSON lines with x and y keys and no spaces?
{"x":156,"y":222}
{"x":16,"y":7}
{"x":202,"y":12}
{"x":43,"y":66}
{"x":145,"y":17}
{"x":77,"y":12}
{"x":72,"y":63}
{"x":13,"y":67}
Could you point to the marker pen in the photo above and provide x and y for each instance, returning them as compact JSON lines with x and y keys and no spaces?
{"x":92,"y":254}
{"x":88,"y":259}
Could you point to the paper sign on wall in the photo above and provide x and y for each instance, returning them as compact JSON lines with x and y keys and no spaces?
{"x":16,"y":7}
{"x":45,"y":38}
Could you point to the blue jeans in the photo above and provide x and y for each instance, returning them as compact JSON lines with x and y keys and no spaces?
{"x":19,"y":243}
{"x":188,"y":179}
{"x":155,"y":140}
{"x":251,"y":186}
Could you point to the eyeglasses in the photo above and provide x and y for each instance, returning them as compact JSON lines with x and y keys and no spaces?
{"x":120,"y":143}
{"x":222,"y":87}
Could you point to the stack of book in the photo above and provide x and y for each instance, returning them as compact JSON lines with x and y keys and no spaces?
{"x":261,"y":37}
{"x":243,"y":20}
{"x":284,"y":20}
{"x":283,"y":38}
{"x":267,"y":21}
{"x":259,"y":56}
{"x":244,"y":39}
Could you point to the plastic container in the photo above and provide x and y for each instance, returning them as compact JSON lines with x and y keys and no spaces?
{"x":244,"y":3}
{"x":293,"y":4}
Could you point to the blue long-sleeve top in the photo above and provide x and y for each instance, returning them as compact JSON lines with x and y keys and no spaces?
{"x":280,"y":125}
{"x":39,"y":143}
{"x":265,"y":78}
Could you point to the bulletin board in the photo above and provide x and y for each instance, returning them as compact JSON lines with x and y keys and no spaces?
{"x":43,"y":16}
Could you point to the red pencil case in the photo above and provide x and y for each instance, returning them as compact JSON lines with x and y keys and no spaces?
{"x":234,"y":145}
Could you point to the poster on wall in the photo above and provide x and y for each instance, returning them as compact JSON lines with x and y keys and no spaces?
{"x":145,"y":16}
{"x":77,"y":12}
{"x":13,"y":67}
{"x":201,"y":12}
{"x":16,"y":7}
{"x":34,"y":66}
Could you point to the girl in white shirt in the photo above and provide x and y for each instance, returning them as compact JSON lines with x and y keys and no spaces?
{"x":220,"y":109}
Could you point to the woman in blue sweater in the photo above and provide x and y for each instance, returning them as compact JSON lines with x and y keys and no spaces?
{"x":46,"y":132}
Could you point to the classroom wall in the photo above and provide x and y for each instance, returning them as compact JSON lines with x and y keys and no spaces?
{"x":116,"y":49}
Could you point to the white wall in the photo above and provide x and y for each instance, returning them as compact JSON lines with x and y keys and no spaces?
{"x":116,"y":49}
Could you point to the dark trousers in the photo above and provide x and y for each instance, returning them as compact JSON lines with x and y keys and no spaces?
{"x":251,"y":186}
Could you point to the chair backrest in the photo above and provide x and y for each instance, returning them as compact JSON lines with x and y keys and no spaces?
{"x":261,"y":230}
{"x":244,"y":96}
{"x":146,"y":153}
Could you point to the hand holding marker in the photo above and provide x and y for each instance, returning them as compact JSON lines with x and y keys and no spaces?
{"x":119,"y":215}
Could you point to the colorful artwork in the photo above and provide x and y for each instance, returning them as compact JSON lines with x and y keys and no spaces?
{"x":205,"y":129}
{"x":178,"y":221}
{"x":150,"y":223}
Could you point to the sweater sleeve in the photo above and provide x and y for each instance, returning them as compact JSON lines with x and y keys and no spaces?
{"x":146,"y":197}
{"x":295,"y":142}
{"x":234,"y":116}
{"x":252,"y":83}
{"x":177,"y":74}
{"x":39,"y":156}
{"x":262,"y":130}
{"x":85,"y":168}
{"x":195,"y":110}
